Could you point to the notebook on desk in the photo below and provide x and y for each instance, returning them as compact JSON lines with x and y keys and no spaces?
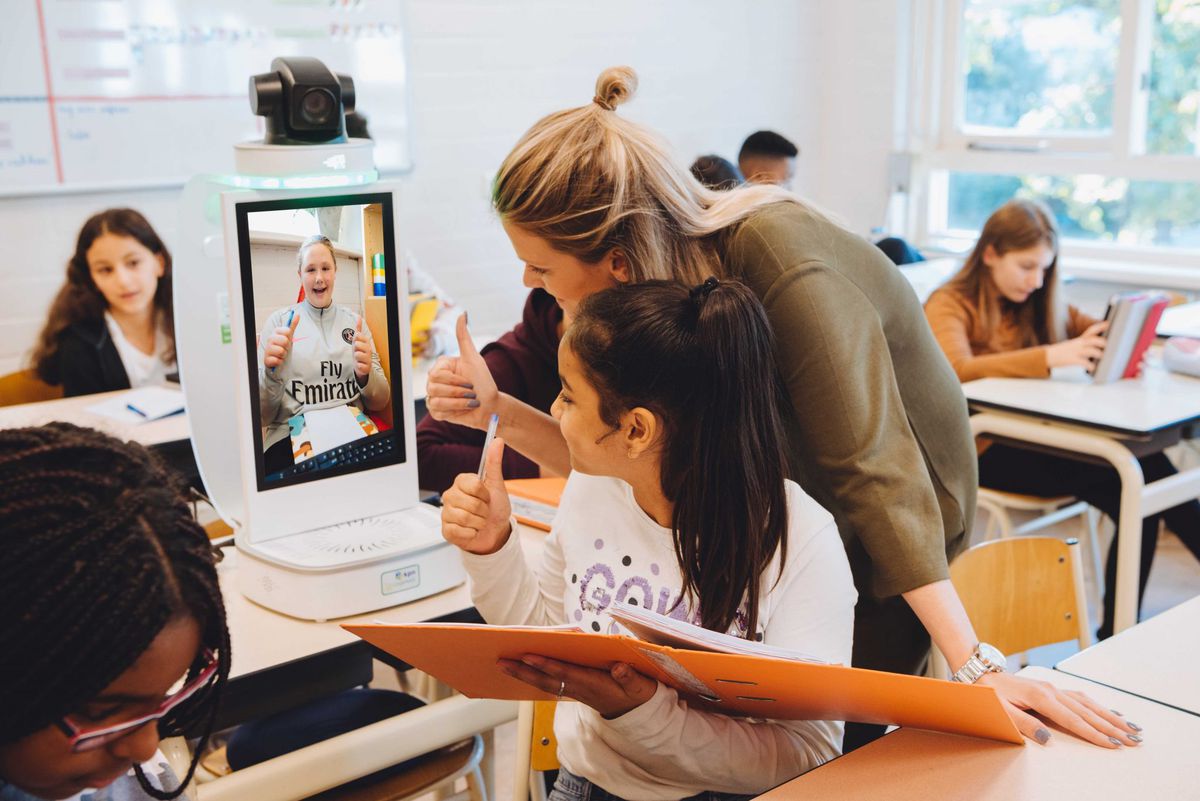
{"x":535,"y":500}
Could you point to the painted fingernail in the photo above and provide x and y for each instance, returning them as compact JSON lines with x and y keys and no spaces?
{"x":1042,"y":736}
{"x":1133,"y":725}
{"x":1115,"y":712}
{"x":1134,"y":737}
{"x":473,"y":404}
{"x":468,"y":394}
{"x":1114,"y":741}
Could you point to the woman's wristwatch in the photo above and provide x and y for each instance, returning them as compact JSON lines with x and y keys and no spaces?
{"x":986,"y":659}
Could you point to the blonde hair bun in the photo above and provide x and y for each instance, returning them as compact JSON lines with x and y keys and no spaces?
{"x":616,"y":85}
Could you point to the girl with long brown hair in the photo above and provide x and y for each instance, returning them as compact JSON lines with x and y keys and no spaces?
{"x":1001,"y":315}
{"x":111,"y":325}
{"x":677,"y":503}
{"x":876,"y":426}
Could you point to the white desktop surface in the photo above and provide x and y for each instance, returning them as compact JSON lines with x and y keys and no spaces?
{"x":1157,"y":400}
{"x":261,"y":638}
{"x":74,"y":410}
{"x":1157,"y":660}
{"x":912,"y":765}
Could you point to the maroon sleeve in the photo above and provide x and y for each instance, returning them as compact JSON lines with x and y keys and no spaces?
{"x":524,"y":363}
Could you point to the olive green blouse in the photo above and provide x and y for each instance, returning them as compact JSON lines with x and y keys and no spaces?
{"x":877,"y":428}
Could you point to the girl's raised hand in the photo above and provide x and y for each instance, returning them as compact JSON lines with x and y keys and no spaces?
{"x":460,"y":388}
{"x":362,"y":353}
{"x":279,"y":345}
{"x":1083,"y":351}
{"x":475,"y":513}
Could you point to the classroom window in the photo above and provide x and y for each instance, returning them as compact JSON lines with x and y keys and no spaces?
{"x":1090,"y":105}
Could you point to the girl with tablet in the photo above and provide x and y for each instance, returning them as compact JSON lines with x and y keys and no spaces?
{"x":114,"y":627}
{"x":1002,"y":315}
{"x":111,"y":325}
{"x":677,"y":503}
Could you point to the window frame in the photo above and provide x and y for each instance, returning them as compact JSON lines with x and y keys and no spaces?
{"x":940,"y":144}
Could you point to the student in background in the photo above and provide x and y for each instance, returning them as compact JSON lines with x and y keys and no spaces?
{"x":716,"y":173}
{"x":524,"y":364}
{"x":111,"y":326}
{"x":590,"y":200}
{"x":768,"y":158}
{"x":114,"y":627}
{"x":653,"y":385}
{"x":1002,"y":315}
{"x":317,"y":355}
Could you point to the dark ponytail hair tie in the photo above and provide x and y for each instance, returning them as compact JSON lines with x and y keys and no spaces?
{"x":700,"y":292}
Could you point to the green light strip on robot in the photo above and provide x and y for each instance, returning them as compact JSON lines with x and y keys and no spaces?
{"x":318,"y":181}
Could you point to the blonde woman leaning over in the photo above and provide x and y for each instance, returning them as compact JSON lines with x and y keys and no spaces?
{"x":1001,"y":316}
{"x":876,"y":424}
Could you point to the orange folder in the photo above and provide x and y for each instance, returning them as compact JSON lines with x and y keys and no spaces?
{"x":464,"y":656}
{"x":535,"y":500}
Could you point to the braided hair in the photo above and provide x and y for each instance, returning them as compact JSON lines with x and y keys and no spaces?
{"x":100,"y":553}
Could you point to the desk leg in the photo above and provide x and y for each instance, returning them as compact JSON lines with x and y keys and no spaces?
{"x":1129,"y":527}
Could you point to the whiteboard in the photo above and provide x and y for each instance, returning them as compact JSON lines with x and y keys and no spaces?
{"x":108,"y":94}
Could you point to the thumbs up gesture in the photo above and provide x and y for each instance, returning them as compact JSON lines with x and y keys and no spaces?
{"x":460,"y":388}
{"x":362,"y":353}
{"x":475,"y":513}
{"x":279,"y":345}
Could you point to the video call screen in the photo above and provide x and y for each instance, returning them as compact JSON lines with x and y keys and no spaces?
{"x":319,"y":290}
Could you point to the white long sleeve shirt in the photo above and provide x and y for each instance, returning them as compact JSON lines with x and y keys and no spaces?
{"x":604,"y":550}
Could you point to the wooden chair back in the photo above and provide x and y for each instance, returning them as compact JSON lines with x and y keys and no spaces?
{"x":24,"y":386}
{"x":1024,"y":592}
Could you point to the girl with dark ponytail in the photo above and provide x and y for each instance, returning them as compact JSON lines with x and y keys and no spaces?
{"x":677,"y":503}
{"x":113,"y":625}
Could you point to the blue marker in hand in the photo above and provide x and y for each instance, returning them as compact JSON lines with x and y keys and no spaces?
{"x":292,"y":322}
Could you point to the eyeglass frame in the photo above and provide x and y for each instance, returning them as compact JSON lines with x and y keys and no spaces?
{"x":83,"y":739}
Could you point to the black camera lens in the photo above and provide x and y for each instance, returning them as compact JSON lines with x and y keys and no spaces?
{"x":318,"y":106}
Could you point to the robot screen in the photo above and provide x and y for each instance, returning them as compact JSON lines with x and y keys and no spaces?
{"x":319,"y":291}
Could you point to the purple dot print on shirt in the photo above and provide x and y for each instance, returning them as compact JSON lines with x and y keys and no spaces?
{"x":599,"y":544}
{"x":654,"y":568}
{"x":578,"y":615}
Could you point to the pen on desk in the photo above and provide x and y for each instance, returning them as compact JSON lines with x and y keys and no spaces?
{"x":135,"y":410}
{"x":487,"y":443}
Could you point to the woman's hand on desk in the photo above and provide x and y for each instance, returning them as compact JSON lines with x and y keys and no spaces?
{"x":1074,"y":711}
{"x":460,"y":388}
{"x":612,"y":692}
{"x":475,"y":512}
{"x":1082,"y":351}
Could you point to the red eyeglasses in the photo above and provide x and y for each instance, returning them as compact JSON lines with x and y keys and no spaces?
{"x":84,"y":739}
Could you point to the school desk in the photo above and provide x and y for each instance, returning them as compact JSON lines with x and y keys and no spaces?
{"x":157,"y":433}
{"x":912,"y":765}
{"x":1156,"y":660}
{"x":1106,"y":423}
{"x":280,"y":662}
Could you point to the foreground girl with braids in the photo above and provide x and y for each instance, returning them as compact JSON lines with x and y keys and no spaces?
{"x":113,"y":626}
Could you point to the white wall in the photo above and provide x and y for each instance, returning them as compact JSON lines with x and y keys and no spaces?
{"x":819,"y":71}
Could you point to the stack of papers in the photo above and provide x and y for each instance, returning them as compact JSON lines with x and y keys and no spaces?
{"x":141,"y":405}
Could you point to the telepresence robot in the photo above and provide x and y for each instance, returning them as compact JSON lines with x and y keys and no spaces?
{"x":336,"y":529}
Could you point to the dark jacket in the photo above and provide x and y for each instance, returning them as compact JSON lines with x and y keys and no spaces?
{"x":88,"y":361}
{"x":524,"y":363}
